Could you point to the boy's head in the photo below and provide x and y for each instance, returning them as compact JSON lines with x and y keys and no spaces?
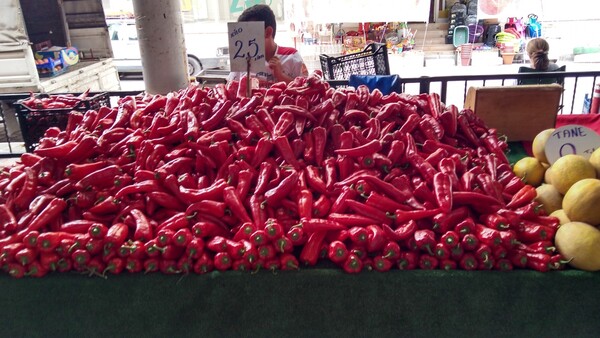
{"x":261,"y":13}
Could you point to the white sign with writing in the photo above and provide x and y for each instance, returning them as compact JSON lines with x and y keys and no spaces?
{"x":246,"y":43}
{"x":571,"y":139}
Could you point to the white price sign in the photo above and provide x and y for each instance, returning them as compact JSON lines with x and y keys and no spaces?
{"x":571,"y":139}
{"x":246,"y":43}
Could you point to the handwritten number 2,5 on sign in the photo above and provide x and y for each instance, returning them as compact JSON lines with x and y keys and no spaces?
{"x":252,"y":47}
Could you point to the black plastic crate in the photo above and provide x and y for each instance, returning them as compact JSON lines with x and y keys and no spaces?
{"x":35,"y":122}
{"x":373,"y":60}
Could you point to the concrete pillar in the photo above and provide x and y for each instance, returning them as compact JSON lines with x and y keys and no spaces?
{"x":162,"y":45}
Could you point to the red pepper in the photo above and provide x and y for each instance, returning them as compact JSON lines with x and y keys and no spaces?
{"x":442,"y":186}
{"x":310,"y":251}
{"x":205,"y":229}
{"x":115,"y":266}
{"x":487,"y":235}
{"x":276,"y":194}
{"x":321,"y":206}
{"x":525,"y":195}
{"x":410,"y":124}
{"x":382,"y":264}
{"x":443,"y":222}
{"x":143,"y":229}
{"x":222,"y":261}
{"x":408,"y":260}
{"x":8,"y":220}
{"x":401,"y":216}
{"x":450,"y":239}
{"x":319,"y":135}
{"x":376,"y":238}
{"x":99,"y":177}
{"x":368,"y":211}
{"x":25,"y":256}
{"x":49,"y":261}
{"x":288,"y":262}
{"x":353,"y":264}
{"x":448,"y":265}
{"x":495,"y":221}
{"x":285,"y":150}
{"x":537,"y":261}
{"x":48,"y":241}
{"x":366,"y":149}
{"x":52,"y":211}
{"x":266,"y":252}
{"x":351,"y":219}
{"x":234,"y":203}
{"x":427,"y":262}
{"x":470,"y":242}
{"x":480,"y":202}
{"x":296,"y":236}
{"x":391,"y":251}
{"x":529,"y":232}
{"x":218,"y":114}
{"x":468,"y":262}
{"x":28,"y":190}
{"x":441,"y":251}
{"x":116,"y":235}
{"x":425,"y":240}
{"x":402,"y":232}
{"x":457,"y":252}
{"x":81,"y":257}
{"x":15,"y":270}
{"x":383,"y":203}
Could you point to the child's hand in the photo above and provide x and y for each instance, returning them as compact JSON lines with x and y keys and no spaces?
{"x":275,"y":65}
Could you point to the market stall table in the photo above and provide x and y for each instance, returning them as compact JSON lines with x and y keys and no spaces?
{"x":323,"y":302}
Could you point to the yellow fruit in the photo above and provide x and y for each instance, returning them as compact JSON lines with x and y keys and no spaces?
{"x":582,"y":202}
{"x":539,"y":144}
{"x":595,"y":161}
{"x":550,"y":198}
{"x":562,"y":217}
{"x":530,"y":169}
{"x":570,"y":169}
{"x":548,"y":176}
{"x":579,"y":242}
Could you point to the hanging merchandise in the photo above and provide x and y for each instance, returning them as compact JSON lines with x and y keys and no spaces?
{"x":472,"y":7}
{"x":515,"y":26}
{"x":534,"y":27}
{"x":489,"y":37}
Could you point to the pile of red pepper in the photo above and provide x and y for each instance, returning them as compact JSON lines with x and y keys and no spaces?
{"x":205,"y":179}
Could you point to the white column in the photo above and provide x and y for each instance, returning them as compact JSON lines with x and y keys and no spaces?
{"x":162,"y":45}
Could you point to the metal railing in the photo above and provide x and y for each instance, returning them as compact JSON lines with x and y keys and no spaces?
{"x":453,"y":89}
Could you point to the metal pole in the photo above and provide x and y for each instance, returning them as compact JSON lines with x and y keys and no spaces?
{"x":162,"y":45}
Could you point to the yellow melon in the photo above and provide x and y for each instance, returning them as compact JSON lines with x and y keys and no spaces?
{"x":570,"y":169}
{"x":595,"y":161}
{"x":538,"y":147}
{"x":581,"y":203}
{"x":530,"y":170}
{"x":579,"y":242}
{"x":562,"y":217}
{"x":550,"y":198}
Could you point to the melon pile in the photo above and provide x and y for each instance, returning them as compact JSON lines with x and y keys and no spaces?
{"x":570,"y":190}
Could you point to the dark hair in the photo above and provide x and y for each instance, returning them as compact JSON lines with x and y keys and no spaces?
{"x":259,"y":13}
{"x":538,"y":53}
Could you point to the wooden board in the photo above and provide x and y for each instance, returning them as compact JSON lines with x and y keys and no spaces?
{"x":519,"y":112}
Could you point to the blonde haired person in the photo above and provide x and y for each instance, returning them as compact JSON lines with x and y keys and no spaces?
{"x":537,"y":49}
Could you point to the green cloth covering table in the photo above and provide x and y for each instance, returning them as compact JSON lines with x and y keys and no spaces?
{"x":314,"y":302}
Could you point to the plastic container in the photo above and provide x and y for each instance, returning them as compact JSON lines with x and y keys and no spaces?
{"x":35,"y":122}
{"x":373,"y":60}
{"x":461,"y":35}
